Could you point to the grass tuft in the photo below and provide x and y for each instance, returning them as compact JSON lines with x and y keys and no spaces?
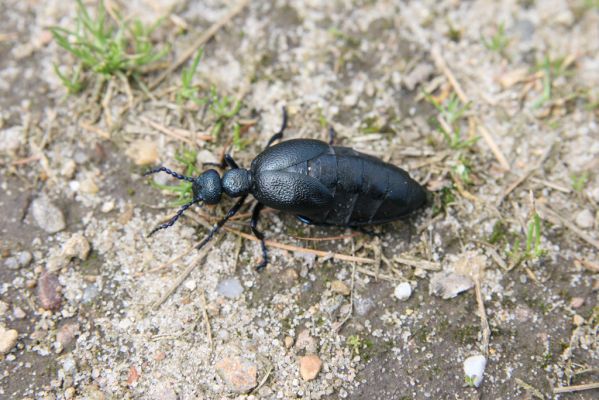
{"x":106,"y":47}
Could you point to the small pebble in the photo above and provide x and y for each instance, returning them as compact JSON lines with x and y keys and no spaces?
{"x":474,"y":368}
{"x":577,"y":320}
{"x":290,"y":276}
{"x":306,"y":342}
{"x":288,"y":342}
{"x":77,"y":246}
{"x":21,"y":260}
{"x":11,"y":138}
{"x":143,"y":152}
{"x":88,"y":186}
{"x":585,"y":219}
{"x":576,"y":302}
{"x":47,"y":215}
{"x":69,"y":393}
{"x":18,"y":313}
{"x":48,"y":291}
{"x":229,"y":288}
{"x":68,"y":169}
{"x":340,"y":287}
{"x":362,"y":306}
{"x":67,"y":333}
{"x":449,"y":284}
{"x":90,"y":293}
{"x":8,"y":339}
{"x":310,"y":366}
{"x":238,"y":374}
{"x":107,"y":207}
{"x":3,"y":308}
{"x":403,"y":291}
{"x":190,"y":285}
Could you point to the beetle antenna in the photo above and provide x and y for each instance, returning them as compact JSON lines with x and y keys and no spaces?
{"x":172,"y":221}
{"x":168,"y":171}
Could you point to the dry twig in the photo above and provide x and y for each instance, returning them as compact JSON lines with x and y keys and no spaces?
{"x":442,"y":65}
{"x":184,"y":275}
{"x":576,"y":388}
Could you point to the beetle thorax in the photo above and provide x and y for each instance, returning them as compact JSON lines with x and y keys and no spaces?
{"x":237,"y":182}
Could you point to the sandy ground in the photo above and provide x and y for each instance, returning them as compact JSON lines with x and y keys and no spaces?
{"x":329,"y":318}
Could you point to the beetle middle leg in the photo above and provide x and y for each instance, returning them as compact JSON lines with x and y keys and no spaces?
{"x":254,"y":225}
{"x":220,"y":223}
{"x":332,"y":135}
{"x":279,"y":134}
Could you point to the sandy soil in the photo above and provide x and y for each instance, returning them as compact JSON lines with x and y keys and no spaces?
{"x":512,"y":84}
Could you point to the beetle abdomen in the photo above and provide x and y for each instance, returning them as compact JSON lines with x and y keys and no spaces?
{"x":333,"y":185}
{"x":365,"y":189}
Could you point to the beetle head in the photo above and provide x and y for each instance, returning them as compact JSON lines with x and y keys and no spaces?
{"x":207,"y":187}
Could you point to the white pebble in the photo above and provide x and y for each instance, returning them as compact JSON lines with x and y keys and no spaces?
{"x":230,"y":288}
{"x":585,"y":219}
{"x":403,"y":291}
{"x":474,"y":368}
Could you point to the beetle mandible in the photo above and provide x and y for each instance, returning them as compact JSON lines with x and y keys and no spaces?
{"x":318,"y":182}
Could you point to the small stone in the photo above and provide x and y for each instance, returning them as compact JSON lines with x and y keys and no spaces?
{"x":578,"y":320}
{"x":419,"y":74}
{"x":290,"y":276}
{"x":3,"y":308}
{"x":165,"y":391}
{"x":24,"y":258}
{"x":143,"y":152}
{"x":77,"y":246}
{"x":362,"y":306}
{"x":107,"y":207}
{"x":449,"y":284}
{"x":47,"y":215}
{"x":55,"y":263}
{"x":576,"y":302}
{"x":340,"y":287}
{"x":310,"y":366}
{"x":8,"y":339}
{"x":190,"y":285}
{"x":48,"y":291}
{"x":68,"y":169}
{"x":306,"y":342}
{"x":238,"y":374}
{"x":11,"y":139}
{"x":88,"y":186}
{"x":21,"y":260}
{"x":229,"y":288}
{"x":67,"y":333}
{"x":69,"y":393}
{"x":585,"y":219}
{"x":18,"y":313}
{"x":403,"y":291}
{"x":288,"y":342}
{"x":474,"y":368}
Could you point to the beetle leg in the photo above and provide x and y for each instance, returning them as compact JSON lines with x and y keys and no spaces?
{"x":230,"y":162}
{"x":332,"y":135}
{"x":279,"y":134}
{"x":220,"y":223}
{"x":255,"y":216}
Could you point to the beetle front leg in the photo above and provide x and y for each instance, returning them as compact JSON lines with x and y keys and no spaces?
{"x":220,"y":223}
{"x":254,"y":225}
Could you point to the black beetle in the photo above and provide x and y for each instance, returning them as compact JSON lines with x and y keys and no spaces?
{"x":318,"y":182}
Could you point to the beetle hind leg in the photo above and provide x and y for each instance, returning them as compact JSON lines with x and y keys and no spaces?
{"x":254,"y":225}
{"x":279,"y":134}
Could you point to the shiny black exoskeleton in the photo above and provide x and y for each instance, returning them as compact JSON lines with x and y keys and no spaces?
{"x":318,"y":182}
